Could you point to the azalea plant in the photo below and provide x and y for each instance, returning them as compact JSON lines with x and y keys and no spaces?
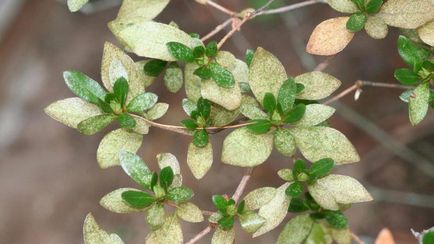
{"x":254,"y":98}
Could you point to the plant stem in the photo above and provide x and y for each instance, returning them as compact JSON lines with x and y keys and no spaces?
{"x":289,"y":7}
{"x":218,"y":7}
{"x":217,"y":29}
{"x":200,"y":235}
{"x":356,"y":238}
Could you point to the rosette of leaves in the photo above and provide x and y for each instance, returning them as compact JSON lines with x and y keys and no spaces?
{"x":287,"y":123}
{"x":228,"y":212}
{"x":420,"y":74}
{"x":372,"y":15}
{"x":123,"y":100}
{"x":161,"y":190}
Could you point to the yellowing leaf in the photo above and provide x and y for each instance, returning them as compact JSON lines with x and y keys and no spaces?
{"x":426,"y":33}
{"x":113,"y":201}
{"x":296,"y":230}
{"x":407,"y":14}
{"x":329,"y":37}
{"x":259,"y":197}
{"x":199,"y":160}
{"x":93,"y":234}
{"x":341,"y":236}
{"x":189,"y":212}
{"x":245,"y":149}
{"x":71,"y":111}
{"x":315,"y":114}
{"x":376,"y":27}
{"x":385,"y":237}
{"x":343,"y":6}
{"x":170,"y":232}
{"x":108,"y":150}
{"x":140,"y":9}
{"x":223,"y":237}
{"x":251,"y":109}
{"x":331,"y":191}
{"x":317,"y":85}
{"x":418,"y":103}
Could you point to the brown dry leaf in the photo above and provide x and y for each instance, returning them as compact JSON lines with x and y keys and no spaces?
{"x":385,"y":237}
{"x":329,"y":37}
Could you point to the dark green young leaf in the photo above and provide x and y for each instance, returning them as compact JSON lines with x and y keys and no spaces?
{"x":317,"y":215}
{"x":95,"y":124}
{"x":321,"y":168}
{"x":336,"y":219}
{"x":428,"y":66}
{"x":241,"y":207}
{"x":138,"y":199}
{"x":154,"y":180}
{"x":356,"y":22}
{"x":211,"y":49}
{"x":295,"y":114}
{"x":259,"y":126}
{"x":374,"y":6}
{"x":142,"y":102}
{"x":406,"y":76}
{"x":227,"y":222}
{"x":126,"y":121}
{"x":134,"y":167}
{"x":189,"y":124}
{"x":199,"y":51}
{"x":299,"y":167}
{"x":166,"y":177}
{"x":300,"y":87}
{"x":360,"y":4}
{"x":249,"y":56}
{"x":204,"y":107}
{"x":428,"y":238}
{"x":181,"y":52}
{"x":297,"y":205}
{"x":310,"y":202}
{"x":269,"y":102}
{"x":221,"y":76}
{"x":180,"y":194}
{"x":200,"y":138}
{"x":220,"y":203}
{"x":109,"y":97}
{"x":411,"y":53}
{"x":154,"y":67}
{"x":120,"y":90}
{"x":203,"y":72}
{"x":294,"y":190}
{"x":287,"y":93}
{"x":195,"y":35}
{"x":84,"y":87}
{"x":195,"y":114}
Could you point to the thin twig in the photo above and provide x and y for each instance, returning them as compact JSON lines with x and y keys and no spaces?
{"x":324,"y":64}
{"x":217,"y":29}
{"x":356,"y":238}
{"x":235,"y":27}
{"x":221,"y":8}
{"x":200,"y":235}
{"x":289,"y":7}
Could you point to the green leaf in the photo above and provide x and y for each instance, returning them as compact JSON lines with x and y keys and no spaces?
{"x":75,"y":5}
{"x":336,"y":219}
{"x":343,"y":6}
{"x":154,"y":180}
{"x":418,"y":103}
{"x":157,"y":111}
{"x":166,"y":177}
{"x":94,"y":234}
{"x":259,"y":197}
{"x":407,"y":14}
{"x":411,"y":53}
{"x":198,"y":51}
{"x":315,"y":114}
{"x":356,"y":22}
{"x":294,"y":190}
{"x":142,"y":102}
{"x":220,"y":203}
{"x":155,"y":216}
{"x":321,"y":168}
{"x":333,"y":190}
{"x":134,"y":167}
{"x":249,"y":56}
{"x":126,"y":121}
{"x":84,"y":87}
{"x":297,"y":205}
{"x":406,"y":76}
{"x":200,"y":138}
{"x":114,"y":142}
{"x":296,"y":114}
{"x":373,"y":6}
{"x":266,"y":74}
{"x":428,"y":238}
{"x":284,"y":142}
{"x":211,"y":49}
{"x":287,"y":93}
{"x":189,"y":124}
{"x":241,"y":207}
{"x":199,"y":160}
{"x":296,"y":230}
{"x":154,"y":67}
{"x":221,"y":75}
{"x":138,"y":199}
{"x":113,"y":201}
{"x":227,"y":222}
{"x":180,"y":194}
{"x":71,"y":111}
{"x":145,"y":79}
{"x":189,"y":212}
{"x":299,"y":167}
{"x":251,"y":221}
{"x":360,"y":4}
{"x":223,"y":237}
{"x":320,"y":142}
{"x":269,"y":102}
{"x":259,"y":126}
{"x":181,"y":52}
{"x":95,"y":124}
{"x":316,"y":235}
{"x":245,"y":149}
{"x":317,"y":85}
{"x":170,"y":232}
{"x":203,"y":72}
{"x":204,"y":107}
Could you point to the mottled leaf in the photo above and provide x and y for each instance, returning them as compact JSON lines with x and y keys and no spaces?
{"x":259,"y":197}
{"x":426,"y":33}
{"x":134,"y":167}
{"x":418,"y":103}
{"x":84,"y":87}
{"x":142,"y":102}
{"x":296,"y":230}
{"x":170,"y":232}
{"x":228,"y":98}
{"x":376,"y":27}
{"x":113,"y":201}
{"x":95,"y":124}
{"x":284,"y":142}
{"x":343,"y":6}
{"x":75,"y":5}
{"x":407,"y":14}
{"x":189,"y":212}
{"x":199,"y":160}
{"x":173,"y":78}
{"x":157,"y":111}
{"x":315,"y":114}
{"x":251,"y":109}
{"x":93,"y":234}
{"x":317,"y":85}
{"x":223,"y":237}
{"x":140,"y":9}
{"x":155,"y":216}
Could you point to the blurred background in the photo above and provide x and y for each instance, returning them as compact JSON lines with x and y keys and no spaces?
{"x":49,"y":177}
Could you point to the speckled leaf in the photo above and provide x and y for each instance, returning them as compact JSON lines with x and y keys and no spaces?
{"x":274,"y":211}
{"x":156,"y":216}
{"x":342,"y":236}
{"x":223,"y":237}
{"x":173,"y":78}
{"x":251,"y":221}
{"x":376,"y":28}
{"x":259,"y":197}
{"x":329,"y":37}
{"x":245,"y":149}
{"x":146,"y":80}
{"x":149,"y":38}
{"x":220,"y":116}
{"x":113,"y":201}
{"x":315,"y":114}
{"x":158,"y":111}
{"x":189,"y":212}
{"x":167,"y":159}
{"x":251,"y":108}
{"x":75,"y":5}
{"x":95,"y":124}
{"x":229,"y":98}
{"x":266,"y":74}
{"x":134,"y":167}
{"x":114,"y":142}
{"x":71,"y":111}
{"x":170,"y":232}
{"x":188,"y":106}
{"x":192,"y":82}
{"x":141,"y":126}
{"x":331,"y":191}
{"x":418,"y":103}
{"x":116,"y":64}
{"x":93,"y":234}
{"x":142,"y":102}
{"x":140,"y":9}
{"x":199,"y":160}
{"x":407,"y":14}
{"x":320,"y":142}
{"x":343,"y":6}
{"x":317,"y":85}
{"x":426,"y":33}
{"x":284,"y":142}
{"x":296,"y":230}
